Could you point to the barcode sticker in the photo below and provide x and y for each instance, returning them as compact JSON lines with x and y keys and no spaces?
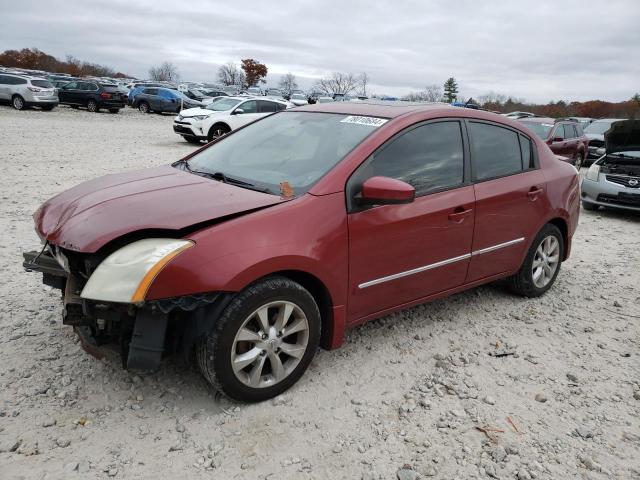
{"x":369,"y":121}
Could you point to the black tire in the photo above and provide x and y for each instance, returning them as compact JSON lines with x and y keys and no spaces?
{"x":144,"y":107}
{"x":114,"y":110}
{"x":590,"y":206}
{"x":193,"y":140}
{"x":18,"y":103}
{"x":522,"y":282}
{"x":92,"y":106}
{"x":216,"y":131}
{"x":579,"y":163}
{"x":215,"y":350}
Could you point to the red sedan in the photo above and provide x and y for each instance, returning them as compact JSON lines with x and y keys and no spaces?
{"x":271,"y":241}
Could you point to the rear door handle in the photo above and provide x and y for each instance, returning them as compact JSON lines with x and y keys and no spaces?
{"x":459,"y":214}
{"x":534,"y":192}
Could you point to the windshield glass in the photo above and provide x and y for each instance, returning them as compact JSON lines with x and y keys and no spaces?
{"x":42,"y":83}
{"x":293,"y":147}
{"x":221,"y":104}
{"x":598,"y":128}
{"x":540,"y":129}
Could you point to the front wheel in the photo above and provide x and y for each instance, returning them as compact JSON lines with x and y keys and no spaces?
{"x":217,"y":131}
{"x":541,"y":265}
{"x":579,"y":163}
{"x":144,"y":107}
{"x":262,"y":342}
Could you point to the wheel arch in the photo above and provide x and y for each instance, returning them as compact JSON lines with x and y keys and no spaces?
{"x":221,"y":123}
{"x":562,"y":225}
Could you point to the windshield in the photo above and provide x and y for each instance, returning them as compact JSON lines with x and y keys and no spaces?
{"x":221,"y":104}
{"x":42,"y":83}
{"x":293,"y":147}
{"x":540,"y":129}
{"x":598,"y":128}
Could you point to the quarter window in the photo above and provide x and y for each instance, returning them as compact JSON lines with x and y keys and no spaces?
{"x":429,"y":158}
{"x":495,"y":151}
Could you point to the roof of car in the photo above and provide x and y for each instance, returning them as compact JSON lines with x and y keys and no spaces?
{"x":374,"y":108}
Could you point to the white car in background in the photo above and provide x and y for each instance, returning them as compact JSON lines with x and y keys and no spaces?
{"x":222,"y":116}
{"x":298,"y":99}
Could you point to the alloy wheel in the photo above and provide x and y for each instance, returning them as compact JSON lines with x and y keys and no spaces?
{"x":270,"y":344}
{"x":92,"y":106}
{"x":545,"y":261}
{"x":218,"y":132}
{"x":18,"y":103}
{"x":143,"y":107}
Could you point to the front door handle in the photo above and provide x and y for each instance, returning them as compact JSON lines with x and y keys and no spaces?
{"x":534,"y":192}
{"x":459,"y":214}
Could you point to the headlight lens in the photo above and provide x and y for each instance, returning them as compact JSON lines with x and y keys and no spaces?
{"x":593,"y":173}
{"x":126,"y":275}
{"x":200,"y":117}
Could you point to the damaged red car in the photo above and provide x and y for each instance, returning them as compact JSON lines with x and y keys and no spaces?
{"x":271,"y":241}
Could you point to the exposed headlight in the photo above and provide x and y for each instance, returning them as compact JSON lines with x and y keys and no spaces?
{"x":200,"y":117}
{"x":126,"y":275}
{"x":593,"y":173}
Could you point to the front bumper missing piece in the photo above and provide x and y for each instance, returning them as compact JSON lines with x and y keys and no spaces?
{"x":140,"y":331}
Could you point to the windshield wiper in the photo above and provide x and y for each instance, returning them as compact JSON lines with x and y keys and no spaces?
{"x":226,"y":179}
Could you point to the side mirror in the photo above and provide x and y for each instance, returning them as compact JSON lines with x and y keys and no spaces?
{"x":557,"y":139}
{"x":386,"y":191}
{"x":238,"y":111}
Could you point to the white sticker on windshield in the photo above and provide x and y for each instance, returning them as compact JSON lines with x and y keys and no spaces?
{"x":369,"y":121}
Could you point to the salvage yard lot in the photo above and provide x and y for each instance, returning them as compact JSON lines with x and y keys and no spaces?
{"x":408,"y":389}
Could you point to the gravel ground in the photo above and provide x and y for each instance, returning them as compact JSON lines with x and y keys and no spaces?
{"x":554,"y":382}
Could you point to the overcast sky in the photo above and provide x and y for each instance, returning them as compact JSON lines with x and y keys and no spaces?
{"x":533,"y":49}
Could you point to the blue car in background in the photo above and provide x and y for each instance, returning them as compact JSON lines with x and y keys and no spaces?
{"x":159,"y":100}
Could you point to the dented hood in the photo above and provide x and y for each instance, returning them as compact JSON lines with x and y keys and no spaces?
{"x":88,"y":216}
{"x":623,"y":136}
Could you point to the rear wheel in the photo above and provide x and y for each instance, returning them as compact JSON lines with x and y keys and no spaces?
{"x":18,"y":102}
{"x":579,"y":163}
{"x":92,"y":106}
{"x":144,"y":107}
{"x":217,"y":131}
{"x":262,"y":342}
{"x":114,"y":110}
{"x":590,"y":206}
{"x":541,"y":265}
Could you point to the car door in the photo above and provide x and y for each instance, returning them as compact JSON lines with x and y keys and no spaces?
{"x":401,"y":253}
{"x":68,"y":93}
{"x":510,"y":193}
{"x":5,"y":81}
{"x":245,"y":113}
{"x":558,"y":142}
{"x":571,"y":140}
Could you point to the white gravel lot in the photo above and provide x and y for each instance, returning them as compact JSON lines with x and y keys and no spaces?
{"x":401,"y":399}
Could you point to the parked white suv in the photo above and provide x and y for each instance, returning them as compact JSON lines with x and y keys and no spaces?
{"x":223,"y":115}
{"x":25,"y":91}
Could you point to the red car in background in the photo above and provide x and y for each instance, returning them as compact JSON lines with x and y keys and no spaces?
{"x":564,"y":137}
{"x":274,"y":239}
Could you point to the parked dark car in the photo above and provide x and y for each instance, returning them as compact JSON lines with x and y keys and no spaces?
{"x":159,"y":100}
{"x":277,"y":237}
{"x":565,"y":137}
{"x":92,"y":95}
{"x":595,"y":133}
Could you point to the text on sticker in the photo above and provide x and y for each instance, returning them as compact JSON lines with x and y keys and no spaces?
{"x":369,"y":121}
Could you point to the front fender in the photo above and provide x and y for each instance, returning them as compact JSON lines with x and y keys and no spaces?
{"x":308,"y":234}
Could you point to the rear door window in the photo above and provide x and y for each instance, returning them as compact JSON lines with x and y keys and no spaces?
{"x":249,"y":107}
{"x":266,"y":107}
{"x":495,"y":151}
{"x":570,"y":130}
{"x":150,"y":91}
{"x":4,"y":80}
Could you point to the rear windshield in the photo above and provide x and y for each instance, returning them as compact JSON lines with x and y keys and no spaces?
{"x":540,"y":129}
{"x":42,"y":83}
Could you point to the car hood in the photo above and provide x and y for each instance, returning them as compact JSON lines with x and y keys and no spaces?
{"x":623,"y":136}
{"x":90,"y":215}
{"x":192,"y":112}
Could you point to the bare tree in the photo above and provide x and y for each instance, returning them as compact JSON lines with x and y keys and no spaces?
{"x":288,"y":82}
{"x":230,"y":74}
{"x":492,"y":97}
{"x":364,"y":81}
{"x":165,"y":72}
{"x":431,"y":93}
{"x":338,"y":82}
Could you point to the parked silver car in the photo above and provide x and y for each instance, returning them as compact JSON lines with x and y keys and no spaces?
{"x":26,"y":91}
{"x":614,"y":179}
